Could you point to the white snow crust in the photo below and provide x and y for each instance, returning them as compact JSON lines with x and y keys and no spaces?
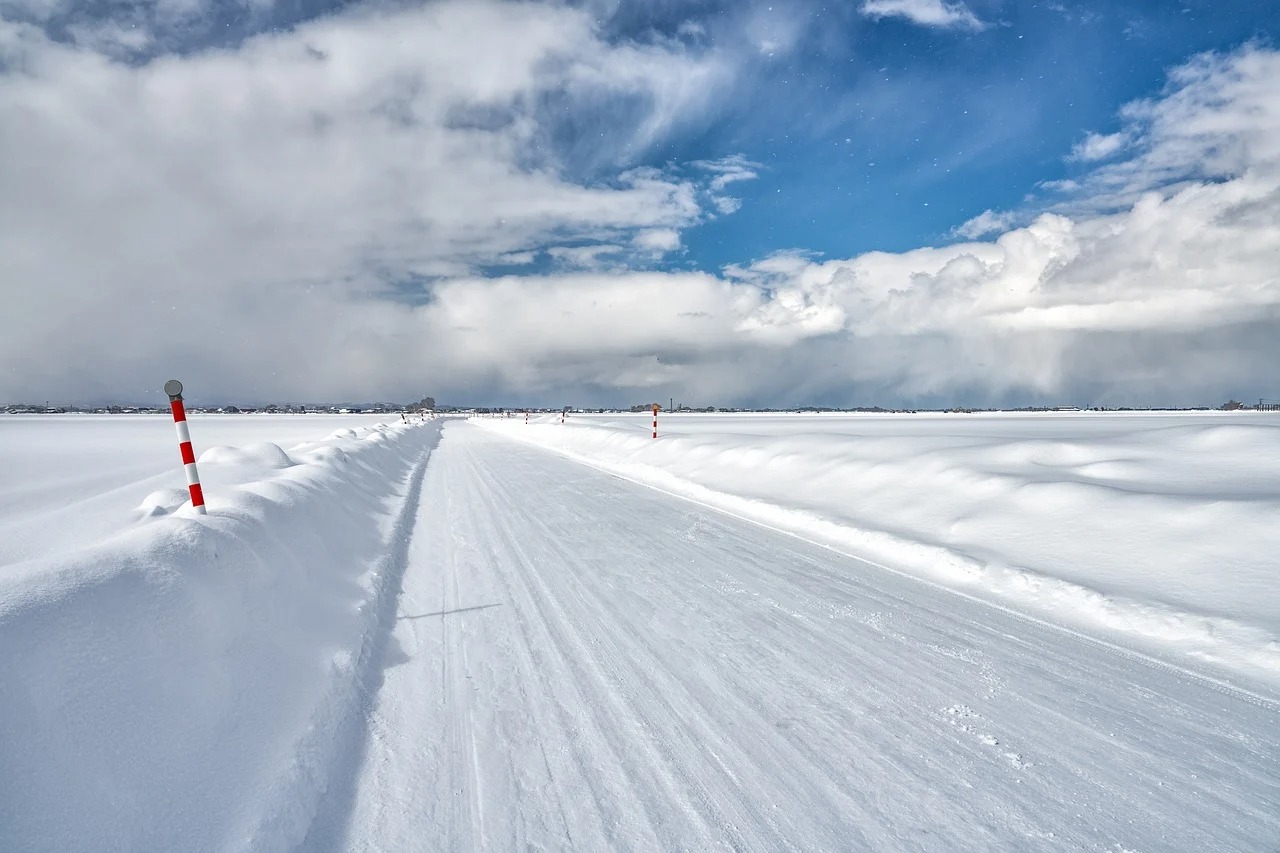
{"x":183,"y":682}
{"x":1154,"y":529}
{"x":755,"y":633}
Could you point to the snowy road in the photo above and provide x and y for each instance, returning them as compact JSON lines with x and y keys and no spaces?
{"x":578,"y":662}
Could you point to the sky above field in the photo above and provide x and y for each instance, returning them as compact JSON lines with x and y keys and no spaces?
{"x":893,"y":202}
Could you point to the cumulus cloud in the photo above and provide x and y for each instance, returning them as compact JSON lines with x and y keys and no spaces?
{"x":1174,"y":298}
{"x":927,"y":13}
{"x":1215,"y":121}
{"x":1164,"y":291}
{"x":219,"y":211}
{"x":309,"y":215}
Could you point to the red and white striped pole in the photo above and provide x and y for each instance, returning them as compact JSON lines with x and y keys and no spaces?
{"x":174,"y":389}
{"x":655,"y":420}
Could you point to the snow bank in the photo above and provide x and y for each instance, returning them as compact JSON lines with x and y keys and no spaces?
{"x":185,"y":684}
{"x":67,"y":481}
{"x":1155,"y":531}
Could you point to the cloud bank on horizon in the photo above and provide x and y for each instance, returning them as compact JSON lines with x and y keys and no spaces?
{"x":526,"y":203}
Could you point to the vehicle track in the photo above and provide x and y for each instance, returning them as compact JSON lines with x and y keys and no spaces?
{"x":591,"y":665}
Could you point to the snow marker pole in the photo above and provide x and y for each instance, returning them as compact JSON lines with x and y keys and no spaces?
{"x":526,"y":417}
{"x":655,"y":420}
{"x":174,"y":389}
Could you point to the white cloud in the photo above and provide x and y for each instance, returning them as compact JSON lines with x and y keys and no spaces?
{"x":597,"y":256}
{"x":987,"y":222}
{"x":221,"y":210}
{"x":248,"y":219}
{"x":657,"y":240}
{"x":1216,"y":121}
{"x":1175,"y":298}
{"x":515,"y":258}
{"x":727,"y":170}
{"x":1098,"y":147}
{"x":928,"y":13}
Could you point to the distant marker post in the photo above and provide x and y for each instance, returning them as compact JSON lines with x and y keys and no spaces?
{"x":655,"y":419}
{"x":174,"y":389}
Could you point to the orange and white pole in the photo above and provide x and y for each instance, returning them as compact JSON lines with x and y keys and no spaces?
{"x":655,"y":420}
{"x":174,"y":389}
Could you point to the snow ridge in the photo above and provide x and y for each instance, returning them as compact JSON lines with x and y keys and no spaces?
{"x":343,"y":750}
{"x":329,"y":751}
{"x":190,"y":678}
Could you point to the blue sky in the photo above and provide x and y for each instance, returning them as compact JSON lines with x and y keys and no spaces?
{"x":884,"y":134}
{"x":893,"y":202}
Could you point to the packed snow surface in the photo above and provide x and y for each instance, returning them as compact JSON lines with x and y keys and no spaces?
{"x":433,"y":637}
{"x":1157,"y":530}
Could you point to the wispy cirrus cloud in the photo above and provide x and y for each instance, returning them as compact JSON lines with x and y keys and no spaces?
{"x":726,"y":171}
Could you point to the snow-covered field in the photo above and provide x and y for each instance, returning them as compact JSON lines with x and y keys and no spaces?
{"x":1155,"y":529}
{"x":70,"y":480}
{"x":434,"y":637}
{"x":175,"y":682}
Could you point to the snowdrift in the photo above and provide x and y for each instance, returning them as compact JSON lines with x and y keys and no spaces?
{"x":187,"y":683}
{"x":1155,"y":532}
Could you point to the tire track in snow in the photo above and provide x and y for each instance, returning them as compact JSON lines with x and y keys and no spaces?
{"x":743,"y":691}
{"x":686,"y":739}
{"x":636,"y":670}
{"x":980,"y":748}
{"x":466,"y":811}
{"x":1235,"y":691}
{"x":723,"y":706}
{"x":603,"y":711}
